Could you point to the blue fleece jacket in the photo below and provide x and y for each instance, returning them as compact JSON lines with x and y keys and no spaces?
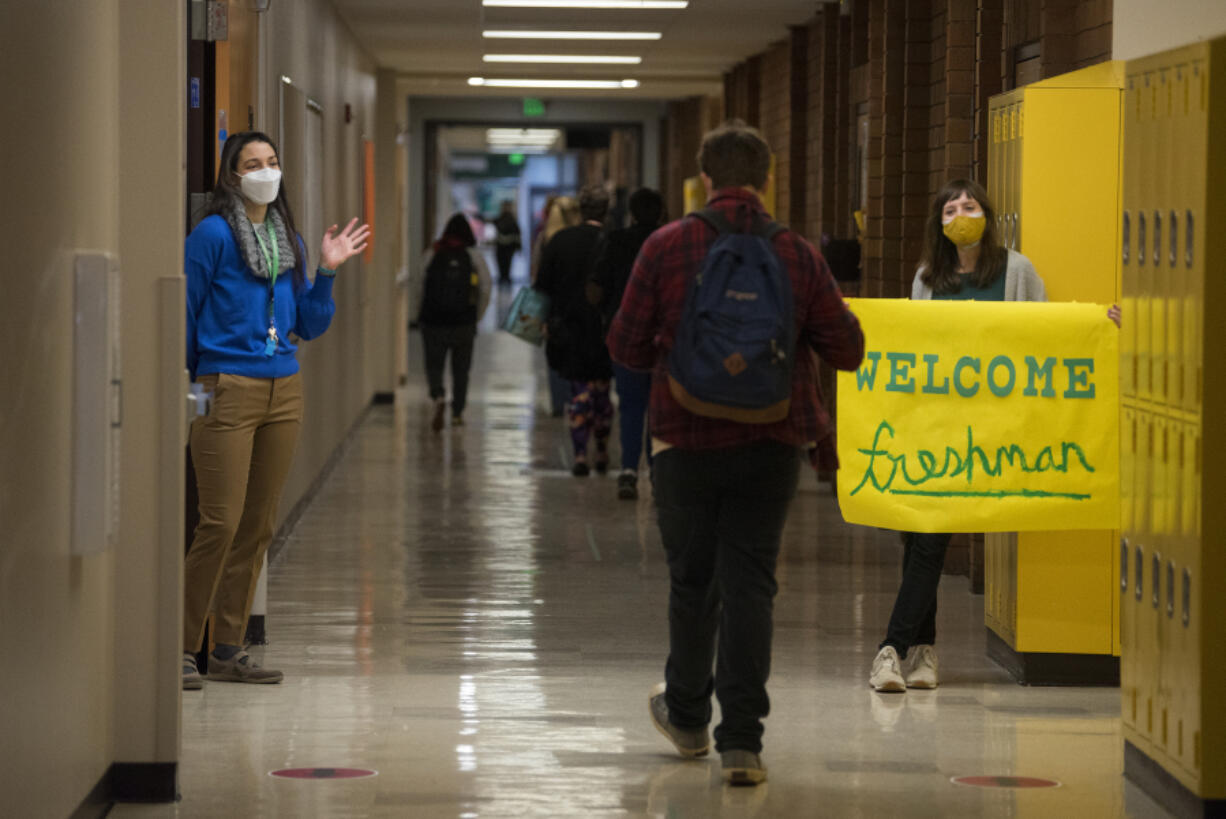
{"x":227,"y":308}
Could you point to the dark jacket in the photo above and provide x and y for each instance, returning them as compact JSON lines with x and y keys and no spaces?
{"x":614,"y":260}
{"x":575,"y":346}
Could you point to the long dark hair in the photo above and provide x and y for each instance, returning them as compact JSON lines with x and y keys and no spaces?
{"x":941,"y":255}
{"x":458,"y":230}
{"x":227,"y":192}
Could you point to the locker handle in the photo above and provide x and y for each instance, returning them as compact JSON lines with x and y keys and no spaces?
{"x":1170,"y":588}
{"x":1123,"y":564}
{"x":1139,"y":571}
{"x":1126,"y":237}
{"x":1157,"y":239}
{"x":1189,"y":237}
{"x":1156,"y":579}
{"x":1141,"y":242}
{"x":1187,"y":597}
{"x":1174,"y":238}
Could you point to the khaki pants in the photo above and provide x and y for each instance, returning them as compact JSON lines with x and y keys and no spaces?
{"x":242,"y":452}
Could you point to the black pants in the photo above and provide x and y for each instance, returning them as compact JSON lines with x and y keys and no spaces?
{"x":504,"y":254}
{"x":721,"y":515}
{"x":914,"y":619}
{"x":437,"y":342}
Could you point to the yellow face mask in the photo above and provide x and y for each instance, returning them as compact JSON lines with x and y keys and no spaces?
{"x":965,"y":231}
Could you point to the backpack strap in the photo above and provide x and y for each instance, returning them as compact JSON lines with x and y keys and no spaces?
{"x":765,"y":228}
{"x":715,"y":219}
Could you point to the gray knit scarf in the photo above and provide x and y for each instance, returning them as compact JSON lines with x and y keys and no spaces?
{"x":244,"y":234}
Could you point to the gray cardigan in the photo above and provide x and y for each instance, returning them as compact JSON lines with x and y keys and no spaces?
{"x":1022,"y":283}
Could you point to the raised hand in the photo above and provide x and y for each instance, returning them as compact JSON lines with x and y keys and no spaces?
{"x":336,"y":249}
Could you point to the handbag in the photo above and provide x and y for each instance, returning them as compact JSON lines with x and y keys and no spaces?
{"x":526,"y":318}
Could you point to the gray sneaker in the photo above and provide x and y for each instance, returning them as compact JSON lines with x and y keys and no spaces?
{"x":689,"y":742}
{"x":742,"y":768}
{"x":241,"y":668}
{"x":192,"y":681}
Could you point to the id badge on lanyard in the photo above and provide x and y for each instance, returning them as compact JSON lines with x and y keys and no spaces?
{"x":273,"y":260}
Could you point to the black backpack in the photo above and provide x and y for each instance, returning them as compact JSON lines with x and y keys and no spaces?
{"x":451,"y":289}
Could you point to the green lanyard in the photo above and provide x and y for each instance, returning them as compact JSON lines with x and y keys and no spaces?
{"x":273,"y":261}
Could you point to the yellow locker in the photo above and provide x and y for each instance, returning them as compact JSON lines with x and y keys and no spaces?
{"x":1127,"y":617}
{"x":1139,"y":195}
{"x":1173,"y":250}
{"x":1057,"y":593}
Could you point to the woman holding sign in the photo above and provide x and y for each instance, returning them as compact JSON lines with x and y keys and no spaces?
{"x":963,"y":259}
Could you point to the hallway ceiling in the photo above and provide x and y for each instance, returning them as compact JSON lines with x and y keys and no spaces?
{"x":436,"y":45}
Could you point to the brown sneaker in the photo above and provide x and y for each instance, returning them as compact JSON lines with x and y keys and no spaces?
{"x":241,"y":668}
{"x":689,"y":742}
{"x":742,"y":768}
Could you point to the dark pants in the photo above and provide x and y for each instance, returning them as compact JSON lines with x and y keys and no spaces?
{"x":633,"y":389}
{"x":504,"y":254}
{"x":914,"y":619}
{"x":437,"y":342}
{"x":559,"y":393}
{"x":721,"y":515}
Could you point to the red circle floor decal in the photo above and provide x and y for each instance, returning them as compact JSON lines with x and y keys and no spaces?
{"x":1004,"y":782}
{"x":323,"y":773}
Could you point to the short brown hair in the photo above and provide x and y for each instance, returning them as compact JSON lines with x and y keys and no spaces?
{"x":593,"y":203}
{"x":735,"y":155}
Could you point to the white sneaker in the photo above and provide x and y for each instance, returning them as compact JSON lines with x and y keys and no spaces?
{"x":922,"y":667}
{"x":886,"y":675}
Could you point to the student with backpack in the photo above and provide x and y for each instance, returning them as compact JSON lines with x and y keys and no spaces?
{"x":723,"y":307}
{"x":454,"y":292}
{"x":575,"y":345}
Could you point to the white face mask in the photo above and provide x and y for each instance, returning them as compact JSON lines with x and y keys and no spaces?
{"x":261,"y":186}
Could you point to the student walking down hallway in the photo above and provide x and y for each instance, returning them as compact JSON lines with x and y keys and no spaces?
{"x":454,"y":292}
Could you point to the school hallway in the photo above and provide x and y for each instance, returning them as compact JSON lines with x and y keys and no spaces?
{"x":459,"y":614}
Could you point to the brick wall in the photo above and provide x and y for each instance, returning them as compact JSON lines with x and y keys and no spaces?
{"x":775,"y":119}
{"x":686,"y":123}
{"x":825,"y":143}
{"x":1092,"y":40}
{"x":922,"y":71}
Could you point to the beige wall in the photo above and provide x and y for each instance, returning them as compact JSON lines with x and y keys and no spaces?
{"x":87,"y":175}
{"x":308,"y":42}
{"x":1143,"y":27}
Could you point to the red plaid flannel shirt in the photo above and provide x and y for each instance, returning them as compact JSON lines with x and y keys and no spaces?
{"x":642,"y":333}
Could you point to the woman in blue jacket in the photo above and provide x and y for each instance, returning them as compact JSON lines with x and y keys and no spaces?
{"x":247,"y":292}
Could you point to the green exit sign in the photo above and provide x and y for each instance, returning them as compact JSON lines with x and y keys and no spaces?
{"x":516,"y":159}
{"x":534,"y":107}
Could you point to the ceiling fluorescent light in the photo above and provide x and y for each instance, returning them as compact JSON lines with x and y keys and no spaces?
{"x":571,"y":35}
{"x":553,"y":83}
{"x":588,"y":4}
{"x":522,"y":133}
{"x":561,"y":58}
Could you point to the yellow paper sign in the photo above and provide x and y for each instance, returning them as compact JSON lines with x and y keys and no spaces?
{"x":981,"y":417}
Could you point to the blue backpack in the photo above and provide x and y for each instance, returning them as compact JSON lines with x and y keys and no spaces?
{"x":732,"y":354}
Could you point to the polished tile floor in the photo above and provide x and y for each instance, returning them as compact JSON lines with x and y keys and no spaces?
{"x":459,"y":614}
